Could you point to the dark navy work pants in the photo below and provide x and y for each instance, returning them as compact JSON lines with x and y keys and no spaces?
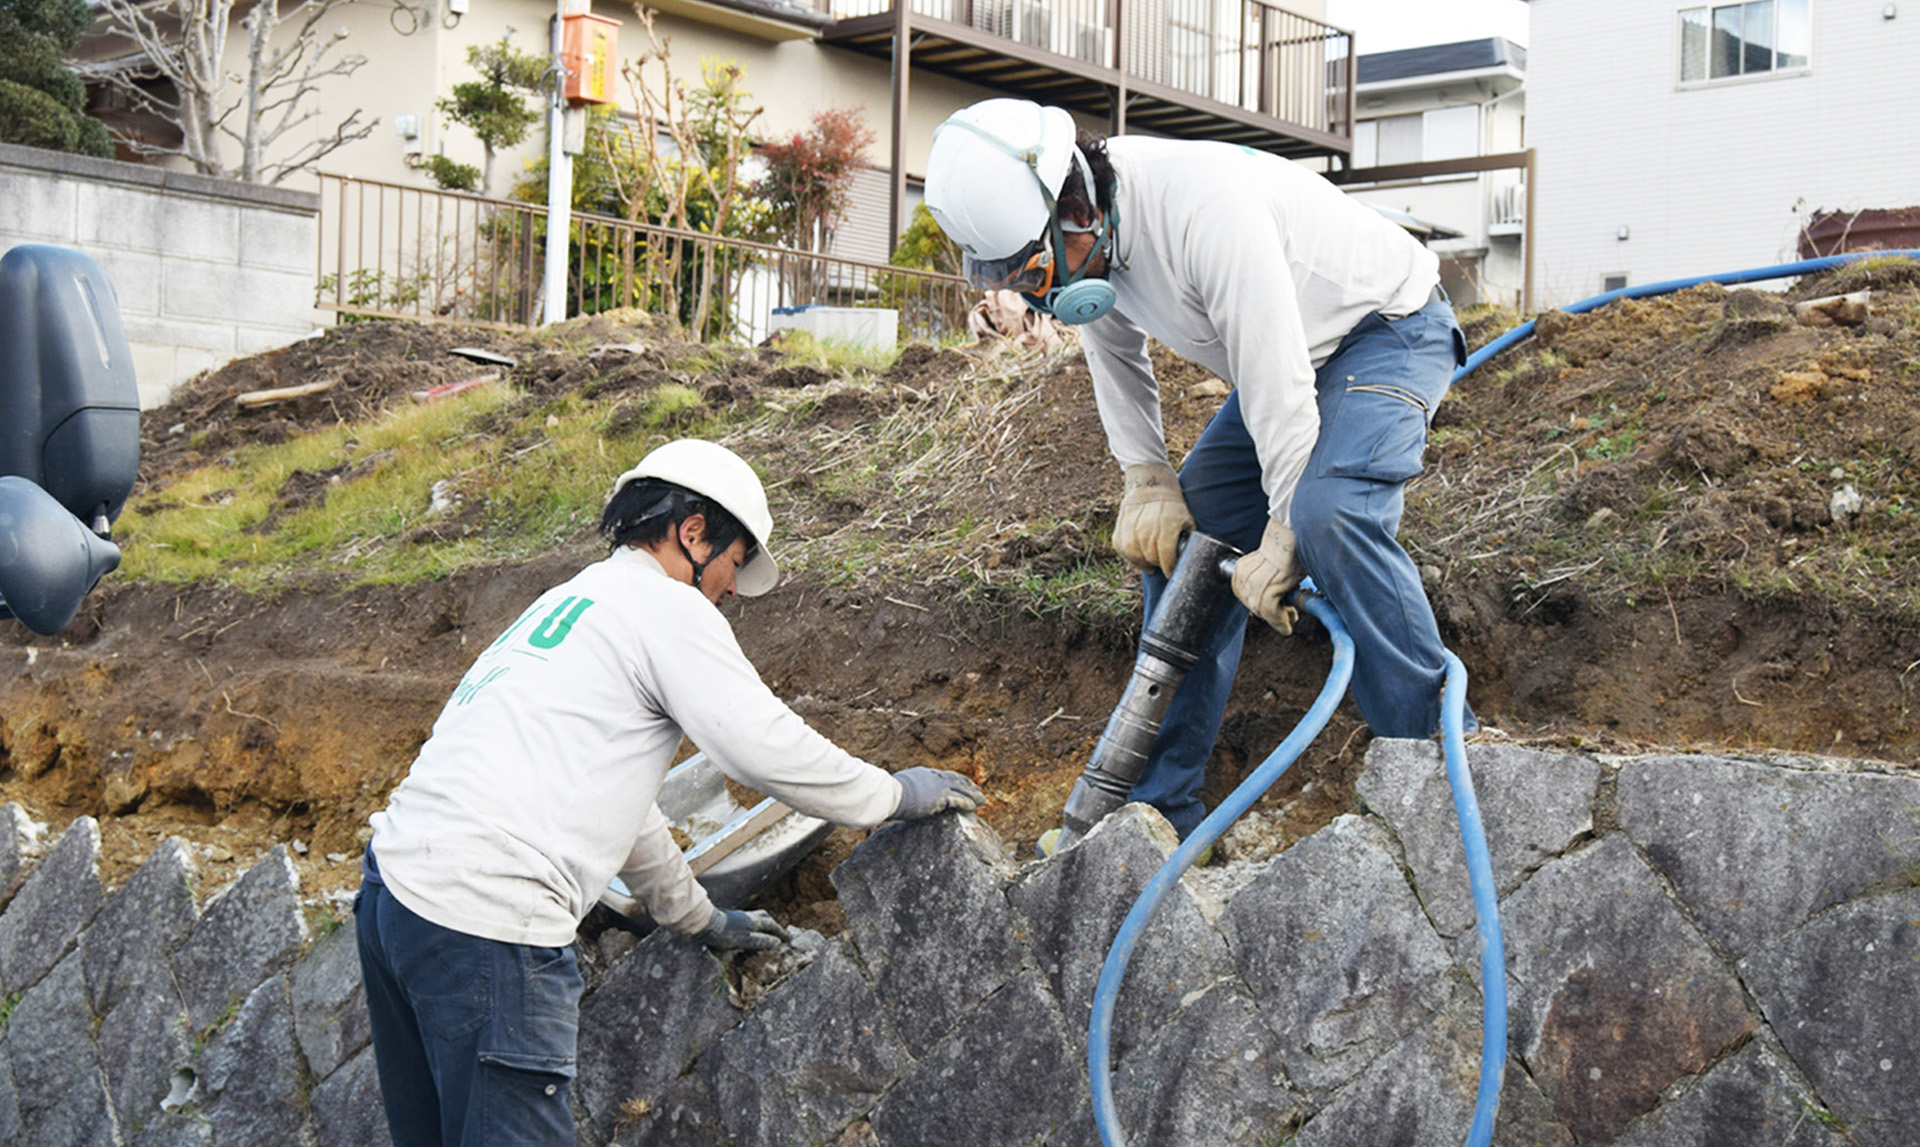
{"x":474,"y":1038}
{"x":1376,"y":397}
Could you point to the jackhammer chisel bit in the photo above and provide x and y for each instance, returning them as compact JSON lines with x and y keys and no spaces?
{"x":1201,"y":585}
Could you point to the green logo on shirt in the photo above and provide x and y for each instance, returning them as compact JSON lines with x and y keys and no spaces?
{"x":555,"y":628}
{"x":548,"y":634}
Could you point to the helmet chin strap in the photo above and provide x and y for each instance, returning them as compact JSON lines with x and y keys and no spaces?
{"x":699,"y":567}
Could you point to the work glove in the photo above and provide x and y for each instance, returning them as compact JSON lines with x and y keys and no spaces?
{"x":924,"y":792}
{"x":1153,"y":517}
{"x":1262,"y":579}
{"x":731,"y":930}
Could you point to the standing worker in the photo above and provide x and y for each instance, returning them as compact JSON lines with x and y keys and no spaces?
{"x":1327,"y":320}
{"x":537,"y":786}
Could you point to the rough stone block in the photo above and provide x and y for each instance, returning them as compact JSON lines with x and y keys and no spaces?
{"x":682,"y":1116}
{"x":1756,"y":849}
{"x":56,"y":1069}
{"x":1526,"y":1119}
{"x":1532,"y":805}
{"x":1007,"y":1077}
{"x":816,"y":1055}
{"x":330,"y":1001}
{"x":9,"y":1100}
{"x":1210,"y":1078}
{"x":1613,"y":995}
{"x":646,"y":1020}
{"x":1840,"y":992}
{"x":250,"y":1072}
{"x":177,"y":1129}
{"x":1747,"y":1099}
{"x":146,"y":919}
{"x":347,"y":1109}
{"x":17,"y":833}
{"x":143,"y":1042}
{"x":927,"y":910}
{"x":1074,"y":904}
{"x":52,"y":907}
{"x":1338,"y":953}
{"x":1421,"y":1093}
{"x":251,"y":931}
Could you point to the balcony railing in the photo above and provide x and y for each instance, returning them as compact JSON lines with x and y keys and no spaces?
{"x":1246,"y":54}
{"x":390,"y":251}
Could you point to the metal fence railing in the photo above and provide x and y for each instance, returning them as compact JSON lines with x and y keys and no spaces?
{"x":1245,"y":53}
{"x":392,"y":251}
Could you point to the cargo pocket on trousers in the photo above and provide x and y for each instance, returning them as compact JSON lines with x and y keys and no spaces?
{"x":1384,"y":434}
{"x":527,"y":1096}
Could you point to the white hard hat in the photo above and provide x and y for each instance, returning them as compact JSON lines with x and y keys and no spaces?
{"x":713,"y":471}
{"x":981,"y":174}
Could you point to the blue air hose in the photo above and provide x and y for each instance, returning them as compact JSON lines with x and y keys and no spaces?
{"x":1493,"y":977}
{"x":1756,"y":275}
{"x":1493,"y":1049}
{"x":1100,"y":1028}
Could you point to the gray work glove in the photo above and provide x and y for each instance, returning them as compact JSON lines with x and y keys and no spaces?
{"x":924,"y":792}
{"x":730,"y":930}
{"x":1153,"y":518}
{"x":1262,"y":579}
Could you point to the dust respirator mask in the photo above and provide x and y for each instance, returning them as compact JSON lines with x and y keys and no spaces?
{"x":1030,"y":270}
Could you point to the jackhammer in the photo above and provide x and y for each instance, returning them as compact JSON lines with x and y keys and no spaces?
{"x":1200,"y":587}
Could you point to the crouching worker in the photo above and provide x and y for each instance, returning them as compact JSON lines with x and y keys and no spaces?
{"x":538,"y":785}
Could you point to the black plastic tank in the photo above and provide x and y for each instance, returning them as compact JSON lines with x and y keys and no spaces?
{"x":69,"y":407}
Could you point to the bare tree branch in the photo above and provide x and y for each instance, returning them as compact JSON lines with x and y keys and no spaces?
{"x":184,"y":45}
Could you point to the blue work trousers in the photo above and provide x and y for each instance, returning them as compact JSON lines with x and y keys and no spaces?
{"x":1376,"y":397}
{"x":474,"y":1038}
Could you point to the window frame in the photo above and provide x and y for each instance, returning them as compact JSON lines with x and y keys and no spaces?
{"x":1708,"y":14}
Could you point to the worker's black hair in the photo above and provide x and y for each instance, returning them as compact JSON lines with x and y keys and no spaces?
{"x":647,"y":510}
{"x":1073,"y":199}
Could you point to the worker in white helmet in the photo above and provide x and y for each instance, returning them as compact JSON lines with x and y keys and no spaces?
{"x":537,"y":787}
{"x":1327,"y":320}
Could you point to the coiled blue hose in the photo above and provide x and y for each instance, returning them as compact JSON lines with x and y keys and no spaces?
{"x":1493,"y":975}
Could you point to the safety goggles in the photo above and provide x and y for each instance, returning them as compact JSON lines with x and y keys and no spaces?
{"x":1028,"y":270}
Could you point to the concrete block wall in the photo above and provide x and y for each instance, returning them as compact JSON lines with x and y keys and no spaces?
{"x":206,"y":270}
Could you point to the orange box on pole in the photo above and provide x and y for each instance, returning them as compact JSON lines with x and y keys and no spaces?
{"x":591,"y":52}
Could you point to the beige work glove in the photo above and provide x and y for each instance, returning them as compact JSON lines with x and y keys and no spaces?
{"x":1153,"y":517}
{"x":1263,"y":579}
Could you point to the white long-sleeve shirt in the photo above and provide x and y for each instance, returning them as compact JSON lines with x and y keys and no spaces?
{"x":539,"y":781}
{"x":1251,"y":266}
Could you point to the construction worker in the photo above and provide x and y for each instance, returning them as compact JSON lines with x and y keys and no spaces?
{"x":1327,"y":320}
{"x":538,"y":785}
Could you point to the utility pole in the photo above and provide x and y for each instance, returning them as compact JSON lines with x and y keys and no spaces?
{"x":559,"y":180}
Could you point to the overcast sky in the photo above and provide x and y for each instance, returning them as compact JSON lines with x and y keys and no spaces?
{"x":1384,"y":25}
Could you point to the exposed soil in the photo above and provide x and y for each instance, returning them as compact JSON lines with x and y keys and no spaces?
{"x":1633,"y":528}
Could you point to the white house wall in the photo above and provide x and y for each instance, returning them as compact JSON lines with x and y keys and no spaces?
{"x":1709,"y":179}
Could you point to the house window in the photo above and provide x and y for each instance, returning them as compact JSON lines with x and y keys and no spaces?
{"x":1729,"y":40}
{"x":1613,"y":282}
{"x":1443,"y":133}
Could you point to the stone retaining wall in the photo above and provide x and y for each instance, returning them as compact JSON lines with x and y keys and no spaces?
{"x":1700,"y":951}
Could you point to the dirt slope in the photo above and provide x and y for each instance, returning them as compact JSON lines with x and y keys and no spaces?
{"x":1635,"y":528}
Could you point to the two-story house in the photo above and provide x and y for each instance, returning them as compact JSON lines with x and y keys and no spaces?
{"x":1676,"y":139}
{"x":1420,"y":108}
{"x":1240,"y":70}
